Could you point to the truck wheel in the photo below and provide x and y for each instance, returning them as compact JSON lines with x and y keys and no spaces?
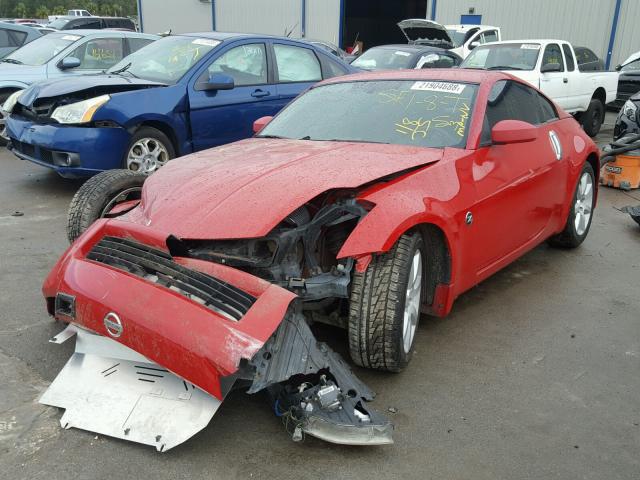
{"x":385,"y":304}
{"x":100,"y":195}
{"x":148,"y":150}
{"x":593,"y":117}
{"x":581,"y":213}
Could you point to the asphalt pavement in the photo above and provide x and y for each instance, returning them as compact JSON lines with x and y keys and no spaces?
{"x":534,"y":375}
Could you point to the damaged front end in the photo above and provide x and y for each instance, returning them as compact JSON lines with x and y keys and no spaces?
{"x":166,"y":327}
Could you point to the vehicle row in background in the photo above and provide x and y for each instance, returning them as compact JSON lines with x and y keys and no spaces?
{"x":181,"y":94}
{"x":551,"y":66}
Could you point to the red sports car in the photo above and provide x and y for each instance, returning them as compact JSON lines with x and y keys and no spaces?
{"x":369,"y":200}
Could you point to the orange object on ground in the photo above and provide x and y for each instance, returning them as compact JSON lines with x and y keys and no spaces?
{"x":623,"y":173}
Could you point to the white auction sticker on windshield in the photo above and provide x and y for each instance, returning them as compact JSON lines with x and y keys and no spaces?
{"x":445,"y":87}
{"x":404,"y":54}
{"x":530,"y":46}
{"x":206,"y":42}
{"x":72,"y":38}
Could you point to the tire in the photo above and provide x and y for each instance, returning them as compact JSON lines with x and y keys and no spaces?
{"x":572,"y":236}
{"x":148,"y":161}
{"x":3,"y":98}
{"x":377,"y":306}
{"x":592,"y":119}
{"x":100,"y":194}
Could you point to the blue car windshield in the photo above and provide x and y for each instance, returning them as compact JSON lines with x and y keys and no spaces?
{"x":166,"y":60}
{"x":402,"y":112}
{"x":43,"y":49}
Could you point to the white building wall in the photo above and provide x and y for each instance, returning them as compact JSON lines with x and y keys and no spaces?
{"x":180,"y":16}
{"x":323,"y":20}
{"x":582,"y":22}
{"x":628,"y":33}
{"x":272,"y":17}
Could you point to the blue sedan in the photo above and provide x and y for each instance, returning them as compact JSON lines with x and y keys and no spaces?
{"x":179,"y":95}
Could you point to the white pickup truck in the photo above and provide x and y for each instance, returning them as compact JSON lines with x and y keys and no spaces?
{"x":551,"y":66}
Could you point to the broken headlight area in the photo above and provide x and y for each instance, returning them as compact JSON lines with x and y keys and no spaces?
{"x":299,"y":254}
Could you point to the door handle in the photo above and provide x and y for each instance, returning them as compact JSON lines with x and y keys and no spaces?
{"x":260,"y":93}
{"x":565,"y":80}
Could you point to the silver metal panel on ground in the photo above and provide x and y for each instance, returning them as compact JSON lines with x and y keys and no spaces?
{"x":112,"y":390}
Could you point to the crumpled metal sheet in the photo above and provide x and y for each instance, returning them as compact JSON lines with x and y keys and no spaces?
{"x":112,"y":390}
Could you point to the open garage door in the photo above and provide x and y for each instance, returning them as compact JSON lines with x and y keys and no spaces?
{"x":374,"y":21}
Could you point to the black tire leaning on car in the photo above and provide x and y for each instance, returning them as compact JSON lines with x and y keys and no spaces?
{"x":377,"y":307}
{"x":146,"y":132}
{"x":591,"y":120}
{"x":570,"y":237}
{"x":98,"y":195}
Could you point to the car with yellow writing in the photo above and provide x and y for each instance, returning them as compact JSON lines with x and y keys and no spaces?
{"x":553,"y":67}
{"x":61,"y":55}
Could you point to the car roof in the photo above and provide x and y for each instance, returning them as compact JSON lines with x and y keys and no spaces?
{"x":104,"y":31}
{"x":410,"y":47}
{"x":225,"y":36}
{"x":18,"y":27}
{"x":466,"y":26}
{"x":435,"y":74}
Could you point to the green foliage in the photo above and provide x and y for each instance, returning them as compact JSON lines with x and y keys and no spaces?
{"x":42,"y":8}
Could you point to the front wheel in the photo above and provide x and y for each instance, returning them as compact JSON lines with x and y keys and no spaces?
{"x":385,"y":304}
{"x":581,"y":213}
{"x":148,"y":150}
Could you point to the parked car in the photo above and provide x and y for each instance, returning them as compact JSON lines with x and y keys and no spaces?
{"x":550,"y":65}
{"x":14,"y":36}
{"x":182,"y":94}
{"x":587,"y":60}
{"x":391,"y":57}
{"x":70,"y":13}
{"x":460,"y":39}
{"x":333,"y":49}
{"x":63,"y":55}
{"x":629,"y":79}
{"x":93,"y":23}
{"x":628,"y":120}
{"x":357,"y":204}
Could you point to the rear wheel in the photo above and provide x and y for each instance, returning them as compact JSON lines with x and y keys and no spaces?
{"x":385,"y":306}
{"x":592,"y":119}
{"x":579,"y":220}
{"x":99,"y":196}
{"x":149,"y":149}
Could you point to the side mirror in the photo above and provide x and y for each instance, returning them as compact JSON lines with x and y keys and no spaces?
{"x":550,"y":67}
{"x":473,"y":45}
{"x":618,"y":67}
{"x":219,"y":81}
{"x":69,"y":62}
{"x":513,"y":131}
{"x":260,"y":123}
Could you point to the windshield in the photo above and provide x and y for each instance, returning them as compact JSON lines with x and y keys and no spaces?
{"x":383,"y":59}
{"x":633,"y":67}
{"x":43,"y":49}
{"x":506,"y":56}
{"x":407,"y":112}
{"x":166,"y":60}
{"x":457,"y":37}
{"x":60,"y":23}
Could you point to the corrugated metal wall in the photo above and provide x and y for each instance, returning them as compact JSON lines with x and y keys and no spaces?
{"x":272,"y":17}
{"x":323,"y":20}
{"x":581,"y":22}
{"x":181,"y":16}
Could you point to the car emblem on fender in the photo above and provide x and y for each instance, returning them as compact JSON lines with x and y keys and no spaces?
{"x":113,"y":324}
{"x":555,"y":143}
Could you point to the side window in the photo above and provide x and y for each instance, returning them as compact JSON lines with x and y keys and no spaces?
{"x":247,"y":64}
{"x":5,"y":40}
{"x":85,"y":24}
{"x":331,"y":69}
{"x":510,"y":100}
{"x":490,"y":36}
{"x":136,"y":44}
{"x":552,"y":54}
{"x":296,"y":64}
{"x":568,"y":57}
{"x":99,"y":54}
{"x":436,"y":60}
{"x":631,"y":66}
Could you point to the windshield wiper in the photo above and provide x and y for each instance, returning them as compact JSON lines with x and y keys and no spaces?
{"x":123,"y":70}
{"x":504,"y":67}
{"x":272,"y":136}
{"x":11,"y":60}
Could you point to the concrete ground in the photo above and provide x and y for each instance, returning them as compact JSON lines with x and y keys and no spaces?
{"x":535,"y":374}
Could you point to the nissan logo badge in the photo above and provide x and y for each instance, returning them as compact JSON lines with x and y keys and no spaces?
{"x":113,"y":324}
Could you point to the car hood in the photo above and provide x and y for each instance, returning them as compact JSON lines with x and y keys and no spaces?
{"x":419,"y":30}
{"x":245,"y":189}
{"x":21,"y":73}
{"x":97,"y":84}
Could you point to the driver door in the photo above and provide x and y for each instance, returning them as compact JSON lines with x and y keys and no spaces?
{"x":554,"y":84}
{"x":223,"y":116}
